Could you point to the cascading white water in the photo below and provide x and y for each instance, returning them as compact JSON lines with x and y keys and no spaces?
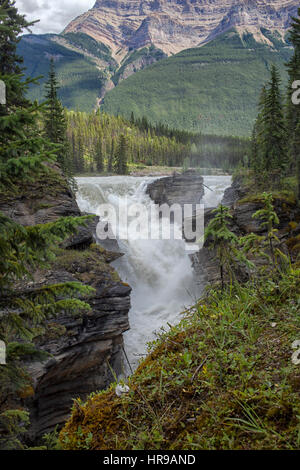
{"x":159,"y":271}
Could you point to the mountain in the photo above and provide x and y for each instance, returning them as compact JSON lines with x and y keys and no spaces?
{"x":175,"y":25}
{"x":212,"y":89}
{"x":167,"y":59}
{"x":81,"y":73}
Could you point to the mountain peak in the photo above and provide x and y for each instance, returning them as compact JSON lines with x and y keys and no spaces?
{"x":174,"y":25}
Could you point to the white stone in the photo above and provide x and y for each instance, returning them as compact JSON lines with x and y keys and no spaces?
{"x":121,"y":390}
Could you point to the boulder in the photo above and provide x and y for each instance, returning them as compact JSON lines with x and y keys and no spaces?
{"x":181,"y":188}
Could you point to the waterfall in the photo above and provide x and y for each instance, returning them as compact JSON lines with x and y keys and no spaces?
{"x":159,"y":271}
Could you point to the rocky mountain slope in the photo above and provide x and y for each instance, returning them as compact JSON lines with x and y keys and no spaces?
{"x":173,"y":26}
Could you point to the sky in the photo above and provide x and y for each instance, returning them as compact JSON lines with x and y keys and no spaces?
{"x":54,"y":15}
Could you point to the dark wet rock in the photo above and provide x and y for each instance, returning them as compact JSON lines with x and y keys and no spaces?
{"x":41,"y":201}
{"x":84,"y":236}
{"x":84,"y":349}
{"x":235,"y":192}
{"x":181,"y":188}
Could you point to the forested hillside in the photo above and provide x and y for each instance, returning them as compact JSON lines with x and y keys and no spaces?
{"x":212,"y":89}
{"x":79,"y":77}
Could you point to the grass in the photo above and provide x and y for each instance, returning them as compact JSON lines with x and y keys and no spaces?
{"x":213,"y":89}
{"x":222,"y":379}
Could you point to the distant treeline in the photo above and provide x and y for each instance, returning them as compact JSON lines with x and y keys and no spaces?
{"x":228,"y":152}
{"x":98,"y":142}
{"x":205,"y":150}
{"x":104,"y":143}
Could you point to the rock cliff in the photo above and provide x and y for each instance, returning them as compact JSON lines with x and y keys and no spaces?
{"x":175,"y":25}
{"x":85,"y":350}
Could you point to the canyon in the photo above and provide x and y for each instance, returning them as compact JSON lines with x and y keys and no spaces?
{"x":86,"y":353}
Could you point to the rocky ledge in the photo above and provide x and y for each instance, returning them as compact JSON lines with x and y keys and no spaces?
{"x":242,"y":209}
{"x":85,"y":350}
{"x":181,"y":188}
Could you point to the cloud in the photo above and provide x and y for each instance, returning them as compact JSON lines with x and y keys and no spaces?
{"x":53,"y":15}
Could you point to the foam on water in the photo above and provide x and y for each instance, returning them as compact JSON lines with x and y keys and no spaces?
{"x":159,"y":271}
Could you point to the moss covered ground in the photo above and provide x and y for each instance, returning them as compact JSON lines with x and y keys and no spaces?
{"x":226,"y":377}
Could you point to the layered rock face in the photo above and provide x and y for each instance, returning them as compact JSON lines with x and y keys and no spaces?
{"x":176,"y":25}
{"x":86,"y":350}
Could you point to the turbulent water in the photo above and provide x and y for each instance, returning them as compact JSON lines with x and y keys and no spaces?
{"x":159,"y":271}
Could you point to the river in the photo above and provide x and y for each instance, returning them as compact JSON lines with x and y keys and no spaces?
{"x":159,"y":271}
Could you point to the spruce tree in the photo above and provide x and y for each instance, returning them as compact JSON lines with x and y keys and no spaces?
{"x":220,"y":238}
{"x":98,"y":157}
{"x":23,"y":154}
{"x":121,"y":156}
{"x":269,"y":220}
{"x":111,"y":156}
{"x":269,"y":139}
{"x":273,"y":132}
{"x":256,"y":158}
{"x":12,"y":25}
{"x":55,"y":122}
{"x":132,"y":119}
{"x":22,"y":149}
{"x":54,"y":119}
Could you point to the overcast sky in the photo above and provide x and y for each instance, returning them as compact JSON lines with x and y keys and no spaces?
{"x":54,"y":15}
